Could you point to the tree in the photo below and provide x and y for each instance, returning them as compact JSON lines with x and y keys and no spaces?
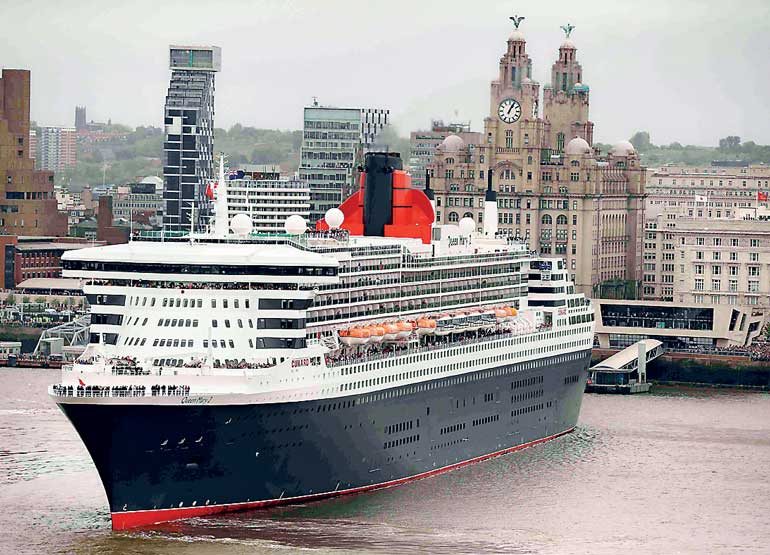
{"x":731,"y":142}
{"x":641,"y":141}
{"x":10,"y":299}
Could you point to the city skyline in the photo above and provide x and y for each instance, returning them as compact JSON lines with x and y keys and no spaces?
{"x":684,"y":73}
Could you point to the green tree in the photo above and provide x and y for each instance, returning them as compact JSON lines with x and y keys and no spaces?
{"x":731,"y":142}
{"x":641,"y":141}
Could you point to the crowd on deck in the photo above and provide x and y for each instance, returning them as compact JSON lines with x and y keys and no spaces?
{"x":119,"y":390}
{"x":241,"y":286}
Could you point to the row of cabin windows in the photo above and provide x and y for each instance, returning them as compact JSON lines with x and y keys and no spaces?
{"x":534,"y":380}
{"x":401,"y":427}
{"x":267,"y":323}
{"x":183,"y":343}
{"x":176,"y":269}
{"x":382,"y":380}
{"x":486,"y":420}
{"x":527,"y":410}
{"x":401,"y":441}
{"x":173,"y":323}
{"x":527,"y":395}
{"x":170,"y":302}
{"x":571,"y":379}
{"x":452,"y":428}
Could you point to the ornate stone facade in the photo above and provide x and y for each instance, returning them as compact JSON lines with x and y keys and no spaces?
{"x":552,"y":187}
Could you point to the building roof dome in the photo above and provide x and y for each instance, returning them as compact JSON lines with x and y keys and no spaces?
{"x":568,"y":44}
{"x":577,"y":146}
{"x":452,"y":143}
{"x":623,"y":148}
{"x":517,"y":36}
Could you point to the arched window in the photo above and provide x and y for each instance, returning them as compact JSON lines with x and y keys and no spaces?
{"x":561,"y":219}
{"x":509,"y":139}
{"x":575,"y":163}
{"x":469,"y":188}
{"x":547,"y":220}
{"x":449,"y":161}
{"x":467,"y":215}
{"x":453,"y":217}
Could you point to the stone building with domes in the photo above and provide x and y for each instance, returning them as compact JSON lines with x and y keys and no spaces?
{"x":553,"y":187}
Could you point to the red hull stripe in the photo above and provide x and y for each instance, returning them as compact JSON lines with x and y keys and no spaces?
{"x":133,"y":519}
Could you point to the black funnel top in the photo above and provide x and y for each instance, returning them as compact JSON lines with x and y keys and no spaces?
{"x":490,"y":196}
{"x":428,"y":191}
{"x":378,"y":191}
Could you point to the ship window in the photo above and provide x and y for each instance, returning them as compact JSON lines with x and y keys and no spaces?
{"x":184,"y":304}
{"x":178,"y":303}
{"x":246,"y":302}
{"x":224,"y":303}
{"x":200,"y":303}
{"x":251,"y":343}
{"x":251,"y":323}
{"x":240,"y":323}
{"x":144,"y":339}
{"x":173,"y":323}
{"x":152,"y":301}
{"x":227,"y":322}
{"x":187,"y":323}
{"x":195,"y":323}
{"x":190,"y":343}
{"x":155,"y":343}
{"x":144,"y":322}
{"x":232,"y":345}
{"x":213,"y":303}
{"x":176,"y":343}
{"x":165,"y":301}
{"x":162,"y":342}
{"x":144,"y":301}
{"x":213,"y":323}
{"x":222,"y":343}
{"x":235,"y":303}
{"x":160,"y":322}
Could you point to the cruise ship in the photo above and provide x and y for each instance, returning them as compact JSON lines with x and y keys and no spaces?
{"x":234,"y":370}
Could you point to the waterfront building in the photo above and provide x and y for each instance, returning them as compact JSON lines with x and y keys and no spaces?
{"x":679,"y":326}
{"x":139,"y":202}
{"x":333,"y":141}
{"x":553,"y":188}
{"x":23,"y":258}
{"x":261,"y":192}
{"x":56,"y":148}
{"x":189,"y":134}
{"x":422,"y":146}
{"x":27,"y":199}
{"x":32,"y":144}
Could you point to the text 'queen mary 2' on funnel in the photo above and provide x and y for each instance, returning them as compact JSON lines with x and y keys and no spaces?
{"x":240,"y":370}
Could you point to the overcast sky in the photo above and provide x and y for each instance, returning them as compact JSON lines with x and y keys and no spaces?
{"x":685,"y":70}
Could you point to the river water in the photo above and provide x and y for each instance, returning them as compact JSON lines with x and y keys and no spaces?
{"x":683,"y":470}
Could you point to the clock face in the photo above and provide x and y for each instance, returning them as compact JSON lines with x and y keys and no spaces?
{"x":509,"y":110}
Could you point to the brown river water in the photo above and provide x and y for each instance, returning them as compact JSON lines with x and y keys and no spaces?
{"x":682,"y":470}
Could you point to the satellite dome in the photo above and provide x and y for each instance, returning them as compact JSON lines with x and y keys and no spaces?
{"x":295,"y":225}
{"x":241,"y":225}
{"x":577,"y":146}
{"x":334,"y":218}
{"x":452,"y":143}
{"x":467,"y":226}
{"x":623,"y":148}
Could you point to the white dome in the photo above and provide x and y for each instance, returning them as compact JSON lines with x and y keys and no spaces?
{"x":241,"y":225}
{"x":577,"y":146}
{"x":568,"y":44}
{"x":295,"y":225}
{"x":334,"y":218}
{"x":452,"y":143}
{"x":467,"y":226}
{"x":517,"y":36}
{"x":623,"y":148}
{"x":154,"y":179}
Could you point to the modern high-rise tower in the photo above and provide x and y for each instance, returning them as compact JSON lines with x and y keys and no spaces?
{"x":189,"y":127}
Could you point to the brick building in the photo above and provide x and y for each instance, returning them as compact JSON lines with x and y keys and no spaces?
{"x":27,"y":200}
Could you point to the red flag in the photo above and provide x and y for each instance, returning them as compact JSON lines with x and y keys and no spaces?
{"x":81,"y":382}
{"x":761,"y":195}
{"x":210,"y":190}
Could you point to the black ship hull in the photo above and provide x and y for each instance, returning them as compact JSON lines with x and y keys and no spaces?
{"x":165,"y":462}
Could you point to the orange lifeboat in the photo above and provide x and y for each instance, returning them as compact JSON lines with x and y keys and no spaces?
{"x":404,"y":329}
{"x":426,"y":326}
{"x":355,"y":336}
{"x":377,"y":333}
{"x":391,"y":331}
{"x":510,"y":312}
{"x":501,"y":314}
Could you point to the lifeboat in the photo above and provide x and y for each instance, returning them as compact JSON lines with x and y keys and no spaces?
{"x":509,"y":313}
{"x":473,"y":320}
{"x":391,"y":332}
{"x":404,"y":329}
{"x":377,"y":334}
{"x":460,"y":322}
{"x":355,"y":336}
{"x":426,"y":326}
{"x":501,"y":315}
{"x":444,"y":325}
